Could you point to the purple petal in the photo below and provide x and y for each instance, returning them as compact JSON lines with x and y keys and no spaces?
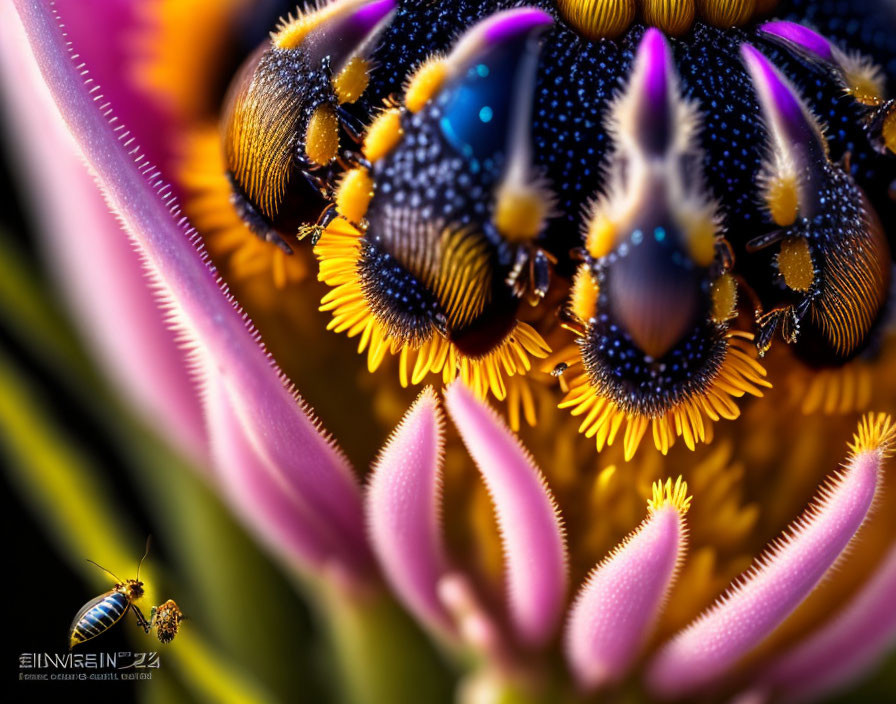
{"x":497,"y":28}
{"x":780,"y":579}
{"x":787,"y":118}
{"x":652,"y":93}
{"x":805,"y":38}
{"x":403,"y":506}
{"x":530,"y":524}
{"x":513,"y":23}
{"x":272,"y":418}
{"x":620,"y":601}
{"x":99,"y":271}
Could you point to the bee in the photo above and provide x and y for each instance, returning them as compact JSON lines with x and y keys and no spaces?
{"x":653,"y":296}
{"x":829,"y":251}
{"x":436,"y":239}
{"x":285,"y":110}
{"x":101,"y":613}
{"x":165,"y":619}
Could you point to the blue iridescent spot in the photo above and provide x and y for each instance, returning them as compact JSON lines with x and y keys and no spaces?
{"x":486,"y":113}
{"x":659,"y":234}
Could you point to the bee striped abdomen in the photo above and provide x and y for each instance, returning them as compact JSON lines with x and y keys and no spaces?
{"x":98,"y":616}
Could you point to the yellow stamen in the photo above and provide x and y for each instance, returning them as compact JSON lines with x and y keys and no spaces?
{"x":354,"y":194}
{"x":724,"y":298}
{"x":352,"y":80}
{"x":876,"y":433}
{"x":691,"y":419}
{"x":322,"y":135}
{"x":338,"y":251}
{"x":382,"y":136}
{"x":795,"y":263}
{"x":425,"y":83}
{"x":669,"y":494}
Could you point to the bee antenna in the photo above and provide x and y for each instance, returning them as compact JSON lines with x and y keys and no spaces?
{"x":146,"y":552}
{"x":109,"y":572}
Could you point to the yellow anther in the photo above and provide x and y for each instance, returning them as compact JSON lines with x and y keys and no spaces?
{"x":322,"y":136}
{"x":520,"y":213}
{"x":669,"y":494}
{"x":601,"y":238}
{"x":352,"y":80}
{"x":782,"y":200}
{"x":383,"y":135}
{"x":795,"y":263}
{"x":724,"y":298}
{"x":425,"y":83}
{"x":354,"y":194}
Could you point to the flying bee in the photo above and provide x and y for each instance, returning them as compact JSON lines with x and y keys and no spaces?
{"x":653,"y":295}
{"x":832,"y":258}
{"x":99,"y":615}
{"x":285,"y":110}
{"x":437,"y":235}
{"x":165,"y":619}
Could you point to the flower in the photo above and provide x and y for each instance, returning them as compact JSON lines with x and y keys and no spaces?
{"x":597,"y":572}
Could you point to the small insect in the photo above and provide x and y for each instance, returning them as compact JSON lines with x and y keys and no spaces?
{"x":165,"y":619}
{"x":437,"y":239}
{"x":653,"y":296}
{"x":99,"y":615}
{"x":285,"y":110}
{"x":832,"y":259}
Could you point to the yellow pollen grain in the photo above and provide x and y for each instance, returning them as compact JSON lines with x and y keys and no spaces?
{"x":674,"y":17}
{"x":601,"y":236}
{"x":322,"y":136}
{"x":669,"y":494}
{"x":724,"y":298}
{"x":782,"y":200}
{"x":795,"y":263}
{"x":598,"y":19}
{"x":354,"y":194}
{"x":425,"y":83}
{"x":352,"y":80}
{"x":383,"y":135}
{"x":519,"y":213}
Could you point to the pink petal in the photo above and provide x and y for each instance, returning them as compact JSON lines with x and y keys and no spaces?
{"x":530,"y":524}
{"x":272,"y":418}
{"x":620,"y":601}
{"x":845,"y":649}
{"x":286,"y":524}
{"x":403,"y":506}
{"x":779,"y":580}
{"x":98,"y":268}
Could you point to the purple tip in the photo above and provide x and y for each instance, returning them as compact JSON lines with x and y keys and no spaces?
{"x":805,"y":38}
{"x":371,"y":14}
{"x":779,"y":102}
{"x":653,"y":55}
{"x":513,"y":23}
{"x":652,"y":86}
